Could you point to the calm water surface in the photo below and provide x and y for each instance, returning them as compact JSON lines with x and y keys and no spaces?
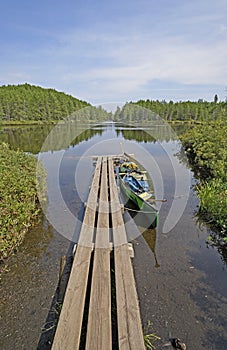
{"x":181,"y":281}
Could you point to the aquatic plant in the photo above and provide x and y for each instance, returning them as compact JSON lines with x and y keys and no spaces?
{"x":149,"y":338}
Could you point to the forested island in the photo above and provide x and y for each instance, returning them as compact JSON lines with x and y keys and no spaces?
{"x":205,"y":143}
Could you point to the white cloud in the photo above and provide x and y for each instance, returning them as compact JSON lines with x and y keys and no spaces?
{"x":136,"y":62}
{"x":122,"y":59}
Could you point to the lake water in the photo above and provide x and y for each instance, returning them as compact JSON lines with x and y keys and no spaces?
{"x":181,"y":280}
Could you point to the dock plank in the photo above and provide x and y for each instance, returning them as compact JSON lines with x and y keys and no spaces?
{"x":68,"y":331}
{"x":99,"y":335}
{"x":87,"y":229}
{"x":120,"y":236}
{"x":130,"y":333}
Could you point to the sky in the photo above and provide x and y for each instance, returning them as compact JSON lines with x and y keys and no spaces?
{"x":117,"y":51}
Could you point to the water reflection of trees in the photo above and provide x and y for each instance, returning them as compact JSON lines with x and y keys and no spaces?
{"x":30,"y":139}
{"x":148,"y":134}
{"x":216,"y":239}
{"x":222,"y":249}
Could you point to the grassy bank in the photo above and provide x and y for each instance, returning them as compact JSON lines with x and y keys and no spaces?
{"x":206,"y":147}
{"x":18,"y":197}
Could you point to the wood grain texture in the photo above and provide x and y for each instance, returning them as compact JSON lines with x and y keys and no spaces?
{"x":87,"y":229}
{"x":68,"y":331}
{"x":130,"y":333}
{"x":99,"y":333}
{"x":99,"y":320}
{"x":99,"y":337}
{"x":116,"y":212}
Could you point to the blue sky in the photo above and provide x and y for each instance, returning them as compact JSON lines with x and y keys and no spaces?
{"x":117,"y":51}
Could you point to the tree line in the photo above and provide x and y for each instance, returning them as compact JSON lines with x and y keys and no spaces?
{"x":200,"y":111}
{"x":27,"y":102}
{"x":187,"y":110}
{"x":33,"y":103}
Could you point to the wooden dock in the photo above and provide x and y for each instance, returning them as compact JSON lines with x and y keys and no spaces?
{"x":92,"y":273}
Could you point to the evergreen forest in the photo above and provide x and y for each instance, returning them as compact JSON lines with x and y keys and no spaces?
{"x":26,"y":103}
{"x":183,"y":111}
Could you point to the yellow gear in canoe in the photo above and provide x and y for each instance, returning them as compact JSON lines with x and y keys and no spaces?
{"x":130,"y":165}
{"x":145,"y":196}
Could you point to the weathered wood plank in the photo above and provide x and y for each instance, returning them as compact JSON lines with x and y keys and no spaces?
{"x":70,"y":322}
{"x":116,"y":212}
{"x":99,"y":335}
{"x":102,"y":235}
{"x":86,"y":233}
{"x":68,"y":331}
{"x":130,"y":334}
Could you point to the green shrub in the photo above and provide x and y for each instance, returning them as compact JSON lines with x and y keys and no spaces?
{"x":18,"y":197}
{"x":206,"y":146}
